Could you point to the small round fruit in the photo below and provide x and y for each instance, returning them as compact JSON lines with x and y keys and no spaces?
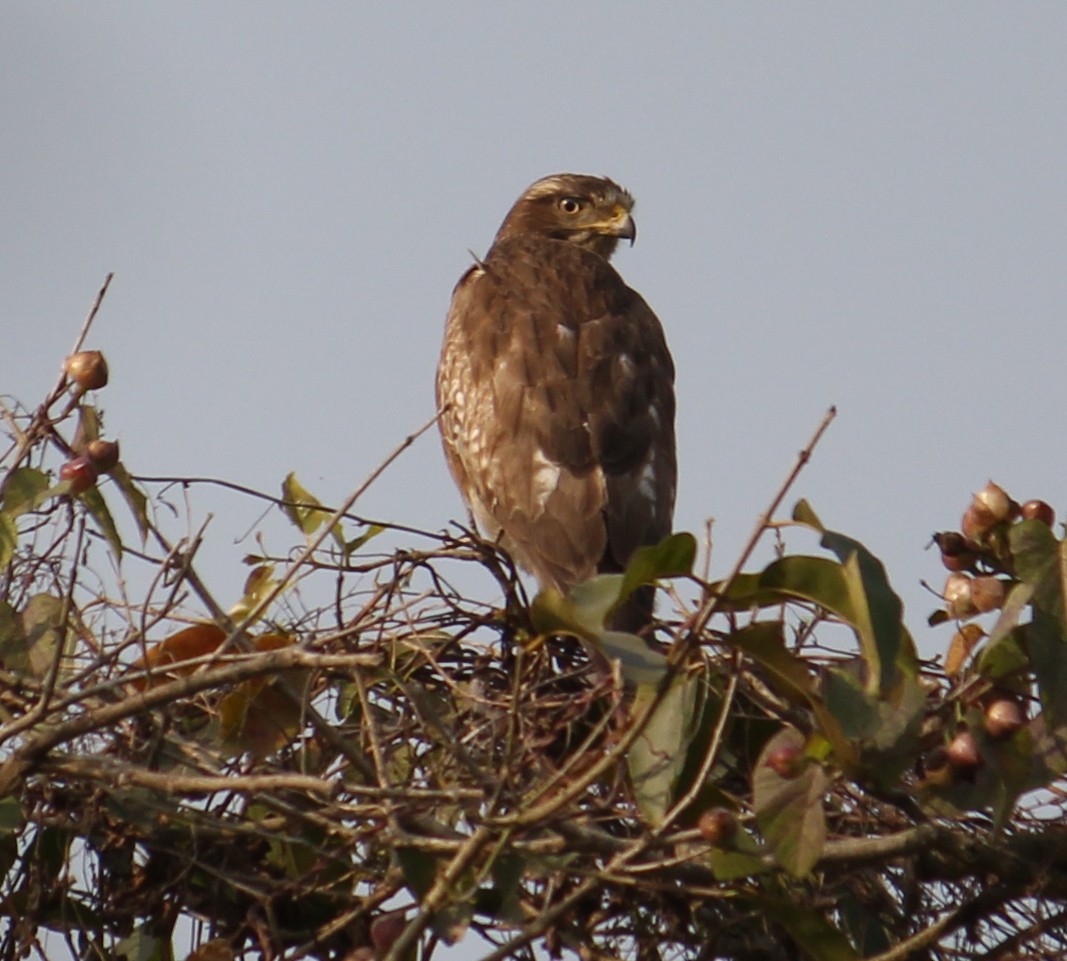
{"x":975,"y":523}
{"x":963,"y":753}
{"x":1036,"y":510}
{"x":987,"y":594}
{"x":81,"y":472}
{"x":87,"y":369}
{"x":103,"y":453}
{"x":1003,"y":717}
{"x":957,"y":553}
{"x":385,"y":929}
{"x":718,"y":826}
{"x":995,"y":500}
{"x":786,"y":760}
{"x":958,"y":597}
{"x":937,"y":771}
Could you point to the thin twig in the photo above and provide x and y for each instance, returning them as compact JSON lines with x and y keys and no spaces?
{"x":711,"y":604}
{"x":41,"y":417}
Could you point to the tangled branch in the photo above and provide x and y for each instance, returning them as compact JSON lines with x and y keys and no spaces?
{"x":361,"y":760}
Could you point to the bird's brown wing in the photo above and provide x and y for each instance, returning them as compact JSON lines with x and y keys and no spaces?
{"x":560,"y":425}
{"x":633,"y":431}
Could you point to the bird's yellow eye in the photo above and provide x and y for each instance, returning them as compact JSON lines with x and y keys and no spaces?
{"x":569,"y":205}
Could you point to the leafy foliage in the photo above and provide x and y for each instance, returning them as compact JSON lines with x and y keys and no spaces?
{"x":358,"y":759}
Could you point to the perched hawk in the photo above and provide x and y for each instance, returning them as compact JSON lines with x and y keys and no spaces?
{"x":558,"y":391}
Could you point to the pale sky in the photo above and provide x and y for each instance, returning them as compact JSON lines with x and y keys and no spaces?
{"x":838,"y":203}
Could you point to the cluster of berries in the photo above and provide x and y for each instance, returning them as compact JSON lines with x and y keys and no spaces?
{"x":87,"y":370}
{"x":978,"y":554}
{"x":979,"y":559}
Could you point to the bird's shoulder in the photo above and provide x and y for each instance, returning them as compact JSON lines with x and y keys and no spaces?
{"x":556,"y":268}
{"x":536,"y":285}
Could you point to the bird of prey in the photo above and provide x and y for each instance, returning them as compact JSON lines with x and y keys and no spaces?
{"x":557,"y":392}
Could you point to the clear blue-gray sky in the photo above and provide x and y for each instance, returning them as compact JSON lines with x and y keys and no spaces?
{"x":850,"y":203}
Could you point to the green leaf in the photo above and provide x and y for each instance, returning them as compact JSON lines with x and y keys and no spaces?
{"x":582,"y":612}
{"x":877,"y":611}
{"x":9,"y":856}
{"x":11,"y":819}
{"x":142,"y":945}
{"x":372,"y":531}
{"x":1014,"y":767}
{"x":507,"y":872}
{"x":135,"y":498}
{"x":812,"y":933}
{"x":586,"y":609}
{"x":1048,"y":656}
{"x":304,"y":509}
{"x":1049,"y":747}
{"x":42,"y":625}
{"x":658,"y":756}
{"x":12,"y":635}
{"x":789,"y":810}
{"x":789,"y":675}
{"x":48,"y":853}
{"x":803,"y":513}
{"x":671,"y":557}
{"x":818,"y":580}
{"x":296,"y":856}
{"x":89,"y":426}
{"x":1041,"y":563}
{"x":851,"y":704}
{"x":836,"y":588}
{"x":841,"y":589}
{"x":638,"y":663}
{"x":24,"y":490}
{"x":744,"y":859}
{"x":865,"y":929}
{"x":743,"y":593}
{"x":885,"y":729}
{"x":258,"y":585}
{"x":707,"y":718}
{"x":419,"y":869}
{"x":1005,"y":656}
{"x":9,"y":538}
{"x":1005,"y":631}
{"x":97,"y":507}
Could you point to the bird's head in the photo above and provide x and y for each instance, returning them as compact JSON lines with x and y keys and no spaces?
{"x":592,"y":212}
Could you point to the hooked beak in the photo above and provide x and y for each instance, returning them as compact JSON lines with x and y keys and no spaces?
{"x":622,"y":225}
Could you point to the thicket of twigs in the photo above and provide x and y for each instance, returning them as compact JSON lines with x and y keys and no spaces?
{"x":397,"y":766}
